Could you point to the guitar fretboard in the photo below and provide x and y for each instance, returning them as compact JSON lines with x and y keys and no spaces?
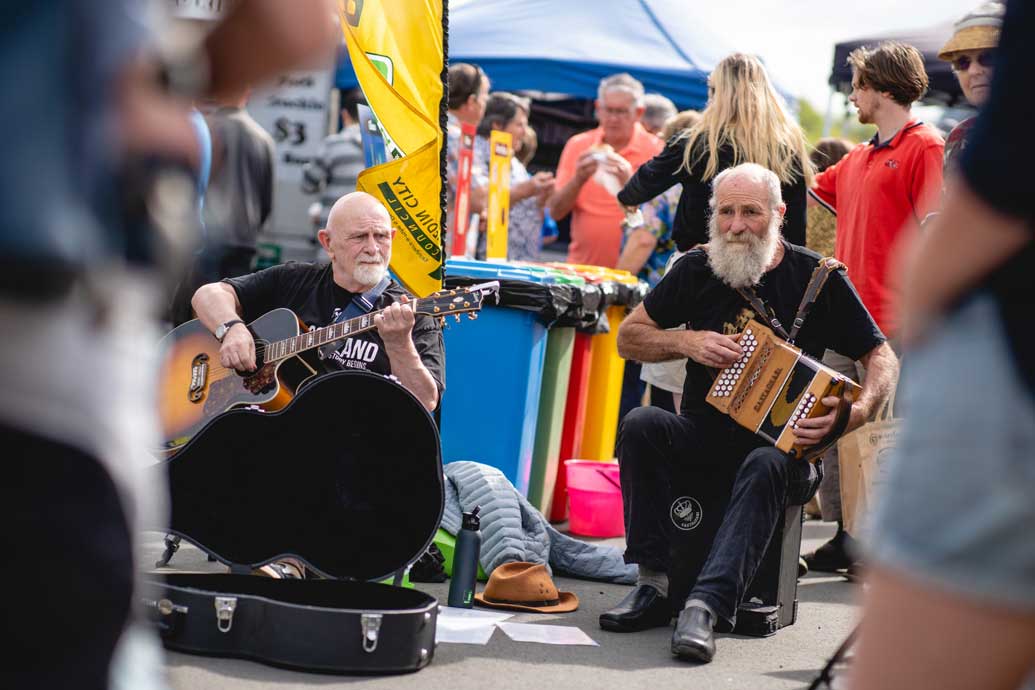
{"x":287,"y":347}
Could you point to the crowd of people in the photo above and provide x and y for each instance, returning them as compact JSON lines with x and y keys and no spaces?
{"x":719,"y":211}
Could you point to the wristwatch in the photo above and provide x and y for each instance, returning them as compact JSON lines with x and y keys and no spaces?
{"x":223,"y":329}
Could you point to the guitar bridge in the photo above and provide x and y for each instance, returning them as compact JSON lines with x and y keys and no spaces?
{"x":198,"y":378}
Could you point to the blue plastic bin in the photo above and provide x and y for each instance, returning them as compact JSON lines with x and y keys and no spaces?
{"x":494,"y":372}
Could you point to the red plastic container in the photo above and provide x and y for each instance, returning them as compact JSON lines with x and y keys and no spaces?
{"x":574,"y":420}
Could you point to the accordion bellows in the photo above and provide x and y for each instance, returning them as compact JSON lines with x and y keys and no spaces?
{"x":774,"y":385}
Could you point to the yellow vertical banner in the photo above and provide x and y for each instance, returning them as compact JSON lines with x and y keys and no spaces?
{"x":501,"y":151}
{"x":396,"y":49}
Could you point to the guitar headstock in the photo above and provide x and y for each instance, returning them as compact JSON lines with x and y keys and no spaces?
{"x":457,"y":301}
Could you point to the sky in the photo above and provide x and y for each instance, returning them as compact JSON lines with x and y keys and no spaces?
{"x":796,"y":37}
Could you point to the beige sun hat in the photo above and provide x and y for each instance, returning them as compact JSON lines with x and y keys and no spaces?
{"x":977,"y":30}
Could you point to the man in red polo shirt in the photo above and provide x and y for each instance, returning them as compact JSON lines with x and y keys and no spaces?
{"x":595,"y":160}
{"x":888,"y":184}
{"x":881,"y":191}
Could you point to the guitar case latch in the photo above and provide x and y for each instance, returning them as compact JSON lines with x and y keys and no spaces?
{"x":371,"y":624}
{"x":225,"y":613}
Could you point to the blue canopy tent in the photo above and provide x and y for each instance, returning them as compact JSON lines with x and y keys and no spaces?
{"x":568,"y":46}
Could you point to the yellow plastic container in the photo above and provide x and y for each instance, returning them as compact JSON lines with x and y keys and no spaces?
{"x":606,"y":371}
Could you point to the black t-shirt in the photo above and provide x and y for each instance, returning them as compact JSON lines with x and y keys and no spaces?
{"x":309,"y":290}
{"x":690,"y":226}
{"x":996,"y":164}
{"x":691,"y":294}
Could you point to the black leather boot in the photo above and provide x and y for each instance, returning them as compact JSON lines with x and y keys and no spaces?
{"x":692,"y":640}
{"x":642,"y":608}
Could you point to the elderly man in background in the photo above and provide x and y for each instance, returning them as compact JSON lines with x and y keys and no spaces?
{"x":595,"y":165}
{"x":696,"y":483}
{"x":657,"y":110}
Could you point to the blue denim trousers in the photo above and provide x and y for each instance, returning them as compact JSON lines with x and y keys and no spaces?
{"x":702,"y":499}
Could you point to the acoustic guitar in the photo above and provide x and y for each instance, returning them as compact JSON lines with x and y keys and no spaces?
{"x":194,"y":387}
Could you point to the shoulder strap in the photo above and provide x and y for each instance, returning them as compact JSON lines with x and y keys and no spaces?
{"x":763,"y":310}
{"x":362,"y":304}
{"x":823,"y":270}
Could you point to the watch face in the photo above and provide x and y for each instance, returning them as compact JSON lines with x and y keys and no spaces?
{"x":220,"y":332}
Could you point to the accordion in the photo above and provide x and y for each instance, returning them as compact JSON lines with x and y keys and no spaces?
{"x":773,"y":386}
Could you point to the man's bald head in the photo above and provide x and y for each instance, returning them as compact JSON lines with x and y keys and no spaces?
{"x":358,"y":240}
{"x":353,"y":207}
{"x":748,"y":178}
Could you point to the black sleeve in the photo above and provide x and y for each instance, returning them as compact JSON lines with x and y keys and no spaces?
{"x":261,"y":291}
{"x":794,"y":219}
{"x":851,"y":330}
{"x":655,"y":176}
{"x":427,"y":338}
{"x":669,"y":304}
{"x":996,"y":162}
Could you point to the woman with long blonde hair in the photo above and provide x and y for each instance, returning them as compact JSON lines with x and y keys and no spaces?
{"x":745,"y":122}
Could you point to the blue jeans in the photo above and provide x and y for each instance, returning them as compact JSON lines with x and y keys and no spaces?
{"x":702,"y":499}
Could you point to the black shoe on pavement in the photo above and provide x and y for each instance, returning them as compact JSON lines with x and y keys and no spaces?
{"x":834,"y":556}
{"x":642,"y":608}
{"x":692,"y":640}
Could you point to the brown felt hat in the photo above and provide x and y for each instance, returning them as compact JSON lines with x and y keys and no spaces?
{"x":977,"y":30}
{"x":521,"y":586}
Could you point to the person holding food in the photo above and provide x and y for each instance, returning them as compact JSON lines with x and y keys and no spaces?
{"x":595,"y":165}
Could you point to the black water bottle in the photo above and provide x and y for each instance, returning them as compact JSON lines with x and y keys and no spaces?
{"x":465,"y":561}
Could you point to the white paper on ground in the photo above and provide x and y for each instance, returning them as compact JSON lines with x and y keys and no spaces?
{"x":547,"y":634}
{"x":466,"y":626}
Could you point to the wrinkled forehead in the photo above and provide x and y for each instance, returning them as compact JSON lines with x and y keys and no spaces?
{"x":372,"y":218}
{"x":742,"y":191}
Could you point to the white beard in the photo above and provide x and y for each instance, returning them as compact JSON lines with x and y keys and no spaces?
{"x":742,"y":263}
{"x":369,"y":274}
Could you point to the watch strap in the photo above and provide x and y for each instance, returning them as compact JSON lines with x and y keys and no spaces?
{"x":225,"y":328}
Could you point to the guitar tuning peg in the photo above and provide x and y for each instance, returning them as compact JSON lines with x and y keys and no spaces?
{"x":457,"y":316}
{"x":472,"y":316}
{"x":441,"y":322}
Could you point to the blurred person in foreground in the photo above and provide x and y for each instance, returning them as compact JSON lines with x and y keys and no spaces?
{"x":97,"y":117}
{"x":951,"y":596}
{"x":880,"y":191}
{"x":593,"y":167}
{"x":647,"y":252}
{"x":657,"y":110}
{"x":528,"y":193}
{"x":671,"y":463}
{"x":745,"y":121}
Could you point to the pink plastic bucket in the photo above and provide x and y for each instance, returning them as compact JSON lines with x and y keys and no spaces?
{"x":595,"y":495}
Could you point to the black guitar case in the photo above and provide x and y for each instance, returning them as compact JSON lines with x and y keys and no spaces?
{"x":347,"y":478}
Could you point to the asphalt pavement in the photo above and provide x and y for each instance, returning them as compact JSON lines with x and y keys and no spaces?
{"x":789,"y":659}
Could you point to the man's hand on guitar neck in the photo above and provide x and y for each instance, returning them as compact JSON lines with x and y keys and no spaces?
{"x":395,"y":324}
{"x":238,"y":349}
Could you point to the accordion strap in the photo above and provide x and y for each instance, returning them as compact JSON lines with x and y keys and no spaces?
{"x":823,"y":270}
{"x":819,"y":277}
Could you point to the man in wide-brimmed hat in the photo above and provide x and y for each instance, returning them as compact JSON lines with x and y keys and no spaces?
{"x":971,"y":50}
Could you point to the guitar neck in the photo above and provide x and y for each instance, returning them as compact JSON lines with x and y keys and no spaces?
{"x":282,"y":349}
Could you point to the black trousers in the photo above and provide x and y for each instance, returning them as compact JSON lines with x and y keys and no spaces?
{"x":702,"y":499}
{"x":68,"y":577}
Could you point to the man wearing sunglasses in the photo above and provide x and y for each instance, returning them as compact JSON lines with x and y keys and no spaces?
{"x":971,"y":50}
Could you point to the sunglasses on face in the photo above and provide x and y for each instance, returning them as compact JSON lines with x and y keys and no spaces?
{"x":985,"y":59}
